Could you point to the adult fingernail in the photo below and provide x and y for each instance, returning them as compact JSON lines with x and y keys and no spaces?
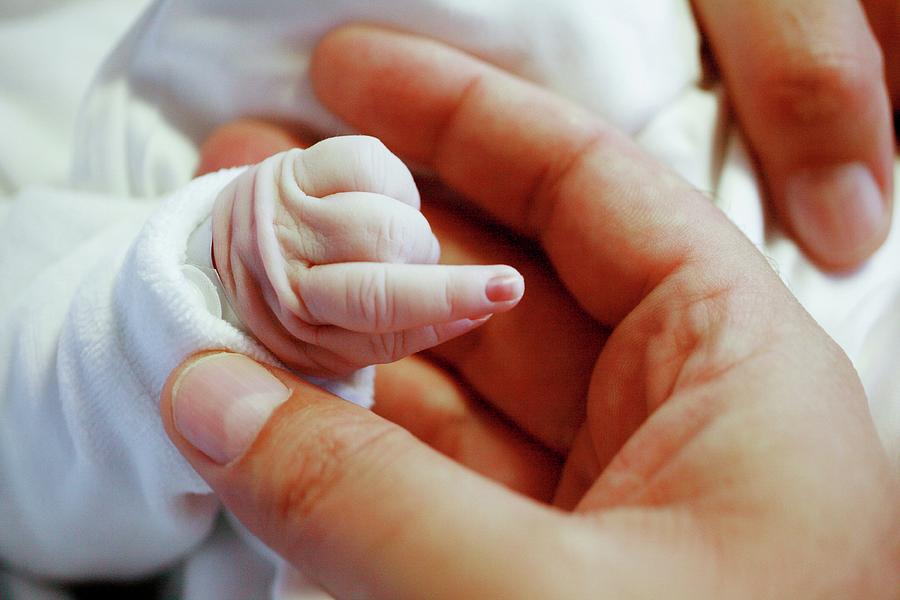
{"x":838,"y":213}
{"x":222,"y":401}
{"x":505,"y":288}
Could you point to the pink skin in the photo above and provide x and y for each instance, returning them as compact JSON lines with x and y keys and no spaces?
{"x":325,"y":256}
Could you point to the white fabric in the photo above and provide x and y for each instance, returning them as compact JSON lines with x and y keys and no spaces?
{"x":191,"y":64}
{"x":95,"y":309}
{"x":49,"y":52}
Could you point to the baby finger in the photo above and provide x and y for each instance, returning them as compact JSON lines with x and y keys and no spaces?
{"x":382,"y":298}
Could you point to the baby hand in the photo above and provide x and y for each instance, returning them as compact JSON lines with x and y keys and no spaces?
{"x":326,"y":258}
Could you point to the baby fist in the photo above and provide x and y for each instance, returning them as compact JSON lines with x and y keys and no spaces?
{"x":325,"y":257}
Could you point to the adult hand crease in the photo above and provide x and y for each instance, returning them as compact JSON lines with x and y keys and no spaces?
{"x":718,"y":451}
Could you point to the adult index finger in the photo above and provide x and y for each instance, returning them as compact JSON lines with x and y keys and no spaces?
{"x":543,"y":350}
{"x":612,"y":220}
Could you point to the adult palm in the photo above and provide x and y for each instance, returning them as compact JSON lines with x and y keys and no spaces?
{"x":686,"y":428}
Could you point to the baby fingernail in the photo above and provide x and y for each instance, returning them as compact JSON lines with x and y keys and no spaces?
{"x":221,"y":403}
{"x":505,"y":288}
{"x":837,"y":212}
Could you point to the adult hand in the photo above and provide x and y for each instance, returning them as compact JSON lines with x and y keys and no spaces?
{"x":722,"y":439}
{"x":545,"y":348}
{"x":810,"y":87}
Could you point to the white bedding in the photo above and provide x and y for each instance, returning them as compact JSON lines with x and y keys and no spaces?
{"x":93,"y":313}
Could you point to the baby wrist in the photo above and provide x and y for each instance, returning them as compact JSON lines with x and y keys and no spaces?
{"x":200,"y":271}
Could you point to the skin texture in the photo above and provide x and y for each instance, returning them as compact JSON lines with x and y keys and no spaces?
{"x":325,"y":256}
{"x":809,"y":81}
{"x":717,"y":443}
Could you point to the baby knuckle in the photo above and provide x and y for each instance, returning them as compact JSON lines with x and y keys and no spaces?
{"x":376,"y":302}
{"x":403,"y":236}
{"x":382,"y":348}
{"x":391,"y":240}
{"x":321,"y":362}
{"x":401,"y":345}
{"x":449,"y":300}
{"x":370,"y":156}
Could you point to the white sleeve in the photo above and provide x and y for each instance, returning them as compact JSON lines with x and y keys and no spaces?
{"x":95,"y":312}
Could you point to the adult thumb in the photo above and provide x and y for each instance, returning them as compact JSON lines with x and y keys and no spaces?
{"x":353,"y":500}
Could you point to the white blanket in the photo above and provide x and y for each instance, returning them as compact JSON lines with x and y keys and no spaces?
{"x":95,"y":310}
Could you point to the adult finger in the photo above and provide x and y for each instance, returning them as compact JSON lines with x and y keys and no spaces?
{"x":366,"y":510}
{"x":424,"y":399}
{"x":884,"y":17}
{"x":807,"y":84}
{"x":245,"y":142}
{"x":602,"y":209}
{"x":340,"y":492}
{"x":533,"y":364}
